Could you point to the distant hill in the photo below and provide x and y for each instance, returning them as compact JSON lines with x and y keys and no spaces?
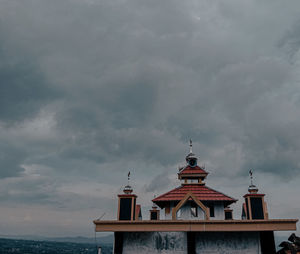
{"x":15,"y":246}
{"x":79,"y":239}
{"x":109,"y":239}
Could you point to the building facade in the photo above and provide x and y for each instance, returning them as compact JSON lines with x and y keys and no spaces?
{"x":197,"y":219}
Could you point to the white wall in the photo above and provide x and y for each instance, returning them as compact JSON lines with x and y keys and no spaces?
{"x":155,"y":242}
{"x":228,"y":243}
{"x":219,"y":212}
{"x":168,"y":216}
{"x":185,"y":213}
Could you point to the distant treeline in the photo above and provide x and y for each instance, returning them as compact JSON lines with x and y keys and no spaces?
{"x":8,"y":246}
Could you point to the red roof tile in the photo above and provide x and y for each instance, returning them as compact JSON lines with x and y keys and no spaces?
{"x":202,"y":192}
{"x":192,"y":170}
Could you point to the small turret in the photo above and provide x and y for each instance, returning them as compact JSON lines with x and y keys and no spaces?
{"x":192,"y":173}
{"x":254,"y":208}
{"x":154,"y":212}
{"x":127,"y":203}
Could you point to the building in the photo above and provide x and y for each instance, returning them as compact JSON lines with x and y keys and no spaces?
{"x":197,"y":219}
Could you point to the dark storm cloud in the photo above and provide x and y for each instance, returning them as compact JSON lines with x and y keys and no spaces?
{"x":24,"y":89}
{"x":93,"y":89}
{"x":130,"y":74}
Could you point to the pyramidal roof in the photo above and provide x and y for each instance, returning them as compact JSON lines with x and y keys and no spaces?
{"x":192,"y":170}
{"x":202,"y":192}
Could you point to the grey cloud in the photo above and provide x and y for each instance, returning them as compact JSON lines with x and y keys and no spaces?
{"x":159,"y":183}
{"x":24,"y":88}
{"x":11,"y":159}
{"x":128,"y":83}
{"x":290,"y":41}
{"x":27,"y":190}
{"x":171,"y":72}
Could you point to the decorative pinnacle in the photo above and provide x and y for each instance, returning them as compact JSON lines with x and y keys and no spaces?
{"x":251,"y":176}
{"x":128,"y":178}
{"x":128,"y":188}
{"x":191,"y":146}
{"x":252,"y":188}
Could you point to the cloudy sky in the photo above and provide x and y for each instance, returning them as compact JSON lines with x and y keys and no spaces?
{"x":90,"y":89}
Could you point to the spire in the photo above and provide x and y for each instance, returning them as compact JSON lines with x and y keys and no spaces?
{"x":252,"y":188}
{"x":191,"y":146}
{"x":128,"y":178}
{"x":128,"y":189}
{"x":191,"y":159}
{"x":251,"y":176}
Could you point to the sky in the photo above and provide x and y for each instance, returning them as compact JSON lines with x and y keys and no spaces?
{"x":92,"y":89}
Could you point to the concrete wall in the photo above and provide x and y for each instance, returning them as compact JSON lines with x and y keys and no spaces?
{"x":204,"y":242}
{"x":228,"y":242}
{"x":154,"y":242}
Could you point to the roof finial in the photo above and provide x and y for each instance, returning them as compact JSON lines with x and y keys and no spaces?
{"x":251,"y":176}
{"x":191,"y":146}
{"x":128,"y":177}
{"x":252,"y":188}
{"x":128,"y":188}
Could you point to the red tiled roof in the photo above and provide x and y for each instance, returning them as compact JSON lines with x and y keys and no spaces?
{"x":202,"y":192}
{"x":193,"y":170}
